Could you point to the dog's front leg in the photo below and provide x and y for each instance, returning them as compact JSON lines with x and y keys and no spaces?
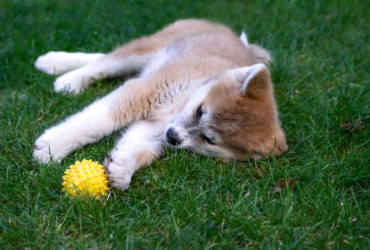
{"x":141,"y":144}
{"x":83,"y":128}
{"x":124,"y":105}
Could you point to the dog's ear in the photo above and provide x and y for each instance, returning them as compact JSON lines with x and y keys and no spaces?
{"x":255,"y":80}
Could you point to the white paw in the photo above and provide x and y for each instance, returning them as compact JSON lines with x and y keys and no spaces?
{"x":57,"y":63}
{"x":51,"y":146}
{"x":119,"y":171}
{"x":71,"y":82}
{"x":54,"y":63}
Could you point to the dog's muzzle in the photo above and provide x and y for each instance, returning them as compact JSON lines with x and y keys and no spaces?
{"x":172,"y":137}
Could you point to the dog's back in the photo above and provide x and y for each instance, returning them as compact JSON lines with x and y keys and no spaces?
{"x":204,"y":48}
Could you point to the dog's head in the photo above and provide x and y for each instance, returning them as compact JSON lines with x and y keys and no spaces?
{"x":233,"y":115}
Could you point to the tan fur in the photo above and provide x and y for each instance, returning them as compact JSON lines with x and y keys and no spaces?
{"x":205,"y":55}
{"x":190,"y":65}
{"x":248,"y":124}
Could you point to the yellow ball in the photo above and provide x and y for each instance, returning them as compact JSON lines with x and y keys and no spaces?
{"x":85,"y":178}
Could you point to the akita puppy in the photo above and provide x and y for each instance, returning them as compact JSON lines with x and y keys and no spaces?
{"x":198,"y":87}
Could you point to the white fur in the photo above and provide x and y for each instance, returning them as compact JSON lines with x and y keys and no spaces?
{"x":95,"y":122}
{"x":57,"y":63}
{"x":143,"y":135}
{"x":251,"y":72}
{"x":105,"y":67}
{"x":158,"y":60}
{"x":177,"y":122}
{"x":143,"y":141}
{"x":83,"y":128}
{"x":246,"y":74}
{"x":244,"y":39}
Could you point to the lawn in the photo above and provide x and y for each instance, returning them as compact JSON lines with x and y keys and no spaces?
{"x":321,"y":72}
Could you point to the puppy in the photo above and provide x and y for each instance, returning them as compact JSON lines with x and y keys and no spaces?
{"x":198,"y":87}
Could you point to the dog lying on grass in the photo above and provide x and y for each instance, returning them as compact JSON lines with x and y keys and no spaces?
{"x":199,"y":87}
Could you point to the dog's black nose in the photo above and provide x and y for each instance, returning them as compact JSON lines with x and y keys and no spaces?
{"x":171,"y":137}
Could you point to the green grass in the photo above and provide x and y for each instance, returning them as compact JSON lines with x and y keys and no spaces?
{"x":321,"y":71}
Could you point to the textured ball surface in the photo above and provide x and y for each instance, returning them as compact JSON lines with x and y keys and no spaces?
{"x":85,"y":178}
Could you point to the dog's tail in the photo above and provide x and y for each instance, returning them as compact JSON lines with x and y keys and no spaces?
{"x":243,"y":37}
{"x":260,"y":55}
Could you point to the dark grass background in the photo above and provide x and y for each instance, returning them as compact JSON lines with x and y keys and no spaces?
{"x":321,"y":71}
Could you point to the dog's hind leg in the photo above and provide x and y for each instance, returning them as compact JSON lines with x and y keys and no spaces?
{"x":128,"y":59}
{"x":60,"y":62}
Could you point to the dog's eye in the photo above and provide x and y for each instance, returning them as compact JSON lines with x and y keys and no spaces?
{"x":199,"y":112}
{"x":209,"y":141}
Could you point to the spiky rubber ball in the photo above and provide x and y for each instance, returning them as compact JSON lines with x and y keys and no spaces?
{"x":84,"y":179}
